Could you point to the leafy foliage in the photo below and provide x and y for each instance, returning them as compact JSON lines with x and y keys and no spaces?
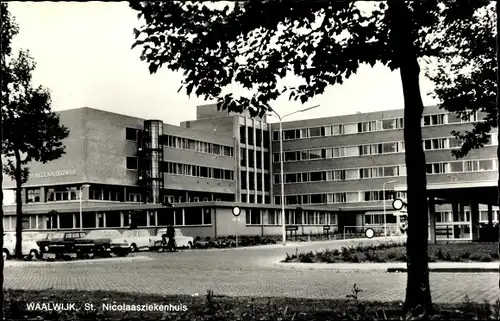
{"x":465,"y":76}
{"x":30,"y":130}
{"x":257,"y":44}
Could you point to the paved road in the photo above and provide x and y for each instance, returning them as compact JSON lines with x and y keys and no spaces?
{"x":242,"y":272}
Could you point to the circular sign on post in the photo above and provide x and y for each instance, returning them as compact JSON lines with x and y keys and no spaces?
{"x":398,"y":204}
{"x":369,"y":233}
{"x":236,"y":211}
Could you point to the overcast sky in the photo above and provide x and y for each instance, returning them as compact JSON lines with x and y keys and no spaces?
{"x":83,"y":56}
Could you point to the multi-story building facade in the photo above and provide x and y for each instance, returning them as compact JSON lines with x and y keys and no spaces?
{"x":353,"y":162}
{"x":339,"y":170}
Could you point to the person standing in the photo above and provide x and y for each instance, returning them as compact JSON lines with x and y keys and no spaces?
{"x":171,"y":235}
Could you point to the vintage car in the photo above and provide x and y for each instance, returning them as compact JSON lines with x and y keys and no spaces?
{"x":62,"y":242}
{"x":28,"y":246}
{"x":102,"y":242}
{"x":181,"y":240}
{"x":139,"y":239}
{"x":43,"y":240}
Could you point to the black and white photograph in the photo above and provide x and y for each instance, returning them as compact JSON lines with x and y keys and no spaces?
{"x":250,"y":160}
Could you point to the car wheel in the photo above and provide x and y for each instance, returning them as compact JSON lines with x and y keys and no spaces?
{"x":5,"y":254}
{"x":33,"y":254}
{"x":190,"y":245}
{"x":133,"y":248}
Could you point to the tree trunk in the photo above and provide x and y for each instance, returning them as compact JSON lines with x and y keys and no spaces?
{"x":1,"y":219}
{"x":497,"y":7}
{"x":418,"y":295}
{"x":19,"y":207}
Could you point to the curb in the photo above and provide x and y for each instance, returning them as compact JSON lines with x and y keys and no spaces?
{"x":449,"y":270}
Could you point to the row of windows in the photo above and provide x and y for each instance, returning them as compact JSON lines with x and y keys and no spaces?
{"x":371,"y":126}
{"x":197,"y":171}
{"x":199,"y":146}
{"x":451,"y":142}
{"x":260,"y":138}
{"x":340,"y":197}
{"x":378,"y":219}
{"x":251,"y":184}
{"x":447,"y":216}
{"x":273,"y":217}
{"x":342,"y":174}
{"x":254,"y":158}
{"x":385,"y":171}
{"x":252,"y":198}
{"x":178,"y":217}
{"x":344,"y":151}
{"x":462,"y":166}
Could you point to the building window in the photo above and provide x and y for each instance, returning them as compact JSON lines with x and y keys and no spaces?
{"x":193,"y":216}
{"x":456,"y":167}
{"x":396,"y":123}
{"x":131,"y":134}
{"x":33,"y":195}
{"x":454,"y":142}
{"x":243,"y":135}
{"x":432,"y":120}
{"x":485,"y":165}
{"x":291,"y":134}
{"x":250,"y":136}
{"x":276,"y":135}
{"x":253,"y":216}
{"x":437,"y":168}
{"x":207,"y":216}
{"x":132,"y":163}
{"x":368,"y":126}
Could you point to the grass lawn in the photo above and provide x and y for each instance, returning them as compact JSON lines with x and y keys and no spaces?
{"x":210,"y":307}
{"x":396,"y":252}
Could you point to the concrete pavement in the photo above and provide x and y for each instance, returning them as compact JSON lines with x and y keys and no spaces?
{"x":241,"y":272}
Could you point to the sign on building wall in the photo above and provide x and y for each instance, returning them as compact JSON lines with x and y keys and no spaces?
{"x":67,"y":172}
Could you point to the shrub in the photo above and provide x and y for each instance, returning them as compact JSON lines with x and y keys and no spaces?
{"x":355,"y":259}
{"x":306,"y":257}
{"x":465,"y":254}
{"x":391,"y":255}
{"x":336,"y":252}
{"x":439,"y":254}
{"x":486,"y":258}
{"x":475,"y":257}
{"x":494,"y":255}
{"x":372,"y":256}
{"x":402,"y":257}
{"x":447,"y":256}
{"x":456,"y":258}
{"x":431,"y":258}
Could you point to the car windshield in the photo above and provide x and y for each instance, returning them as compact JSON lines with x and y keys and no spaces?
{"x":57,"y":236}
{"x":103,"y":233}
{"x":40,"y":236}
{"x":8,"y":237}
{"x":29,"y":236}
{"x":129,"y":233}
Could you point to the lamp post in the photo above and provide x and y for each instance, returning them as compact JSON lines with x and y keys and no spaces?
{"x":281,"y":164}
{"x":80,"y":193}
{"x":385,"y":214}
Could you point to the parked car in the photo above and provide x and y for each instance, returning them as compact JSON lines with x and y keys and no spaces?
{"x":139,"y":239}
{"x":181,"y":240}
{"x":102,"y":242}
{"x":43,"y":240}
{"x":62,"y":242}
{"x":29,"y":247}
